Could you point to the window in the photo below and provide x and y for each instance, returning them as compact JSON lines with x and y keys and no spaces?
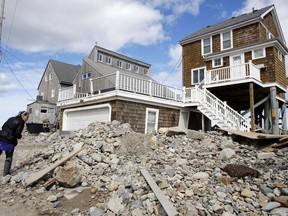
{"x":108,"y":60}
{"x":268,"y":35}
{"x":44,"y":110}
{"x":86,"y":75}
{"x":50,"y":76}
{"x":258,"y":53}
{"x":151,"y":123}
{"x":119,"y":63}
{"x":99,"y":57}
{"x":136,"y":68}
{"x":46,"y":77}
{"x":226,"y":40}
{"x":128,"y":66}
{"x":217,"y":62}
{"x":206,"y":46}
{"x":279,"y":55}
{"x":30,"y":110}
{"x":53,"y":93}
{"x":145,"y":71}
{"x":197,"y":75}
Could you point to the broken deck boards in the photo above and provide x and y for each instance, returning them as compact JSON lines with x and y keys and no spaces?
{"x":168,"y":207}
{"x":253,"y":135}
{"x":36,"y":176}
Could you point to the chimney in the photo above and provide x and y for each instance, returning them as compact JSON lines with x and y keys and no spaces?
{"x":253,"y":10}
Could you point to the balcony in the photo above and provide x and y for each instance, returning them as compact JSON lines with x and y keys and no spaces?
{"x":233,"y":73}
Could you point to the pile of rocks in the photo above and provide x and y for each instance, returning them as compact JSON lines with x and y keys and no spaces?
{"x":201,"y":174}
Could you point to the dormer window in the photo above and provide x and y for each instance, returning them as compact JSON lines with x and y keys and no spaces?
{"x":136,"y":68}
{"x":226,"y":40}
{"x":119,"y":63}
{"x":99,"y":57}
{"x":128,"y":66}
{"x":206,"y":45}
{"x":145,"y":71}
{"x":258,"y":53}
{"x":108,"y":60}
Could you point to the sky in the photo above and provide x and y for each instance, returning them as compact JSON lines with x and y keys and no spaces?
{"x":35,"y":31}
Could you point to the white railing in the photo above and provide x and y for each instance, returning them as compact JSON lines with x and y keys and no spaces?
{"x":220,"y":109}
{"x":226,"y":74}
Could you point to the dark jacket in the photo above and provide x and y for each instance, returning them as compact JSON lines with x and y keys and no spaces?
{"x":12,"y":129}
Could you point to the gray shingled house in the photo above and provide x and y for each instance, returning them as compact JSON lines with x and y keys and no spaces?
{"x":43,"y":112}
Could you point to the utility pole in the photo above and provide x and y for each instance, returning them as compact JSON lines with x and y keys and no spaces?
{"x":2,"y":2}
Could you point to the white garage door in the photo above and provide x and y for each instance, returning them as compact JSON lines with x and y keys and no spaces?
{"x":75,"y":119}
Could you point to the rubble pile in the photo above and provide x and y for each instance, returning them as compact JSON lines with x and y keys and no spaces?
{"x":200,"y":174}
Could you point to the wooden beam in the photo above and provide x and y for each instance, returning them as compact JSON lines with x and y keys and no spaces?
{"x":168,"y":207}
{"x":256,"y":105}
{"x":274,"y":111}
{"x":252,"y":111}
{"x":36,"y":176}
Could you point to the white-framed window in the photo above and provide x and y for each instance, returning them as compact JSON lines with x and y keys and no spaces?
{"x":217,"y":62}
{"x":151,"y":122}
{"x":206,"y":45}
{"x":108,"y":60}
{"x":279,"y":55}
{"x":258,"y":53}
{"x":128,"y":66}
{"x":268,"y":35}
{"x":136,"y":68}
{"x":50,"y":76}
{"x":119,"y":63}
{"x":46,"y":77}
{"x":52,"y":93}
{"x":145,"y":71}
{"x":86,"y":75}
{"x":198,"y":75}
{"x":226,"y":40}
{"x":99,"y":57}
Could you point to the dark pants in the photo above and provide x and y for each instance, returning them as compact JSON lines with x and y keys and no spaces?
{"x":8,"y":162}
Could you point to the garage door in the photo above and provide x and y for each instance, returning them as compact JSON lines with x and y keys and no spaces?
{"x":75,"y":119}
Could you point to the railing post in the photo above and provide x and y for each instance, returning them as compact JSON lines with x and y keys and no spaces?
{"x":74,"y":90}
{"x":91,"y":86}
{"x":150,"y":87}
{"x":117,"y":80}
{"x":225,"y":110}
{"x":250,"y":68}
{"x":184,"y":94}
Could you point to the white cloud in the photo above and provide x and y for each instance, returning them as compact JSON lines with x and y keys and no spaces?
{"x":5,"y":85}
{"x":75,"y":26}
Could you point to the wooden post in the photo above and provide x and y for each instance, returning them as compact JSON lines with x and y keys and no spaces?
{"x":283,"y":113}
{"x":267,"y":116}
{"x":251,"y":97}
{"x":203,"y":122}
{"x":274,"y":109}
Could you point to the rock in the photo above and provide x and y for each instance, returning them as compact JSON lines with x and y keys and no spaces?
{"x":226,"y":154}
{"x":240,"y":171}
{"x":115,"y":204}
{"x":52,"y":198}
{"x":279,"y":211}
{"x":68,"y":176}
{"x":282,"y":200}
{"x":265,"y":155}
{"x":93,"y":211}
{"x":194,"y":134}
{"x":175,"y":131}
{"x":201,"y":175}
{"x":271,"y":205}
{"x":247,"y":193}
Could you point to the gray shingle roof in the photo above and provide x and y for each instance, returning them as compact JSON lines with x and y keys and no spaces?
{"x":65,"y":72}
{"x":228,"y":23}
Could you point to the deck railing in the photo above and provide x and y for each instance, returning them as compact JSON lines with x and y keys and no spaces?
{"x":231,"y":73}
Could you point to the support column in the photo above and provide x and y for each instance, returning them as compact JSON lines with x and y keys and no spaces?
{"x":251,"y":97}
{"x":267,"y":111}
{"x":203,"y":122}
{"x":283,"y":113}
{"x":274,"y":109}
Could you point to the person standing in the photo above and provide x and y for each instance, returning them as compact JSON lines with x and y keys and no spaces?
{"x":9,"y":135}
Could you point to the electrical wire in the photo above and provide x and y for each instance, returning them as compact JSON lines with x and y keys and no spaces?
{"x":178,"y":63}
{"x":17,"y":78}
{"x":10,"y":29}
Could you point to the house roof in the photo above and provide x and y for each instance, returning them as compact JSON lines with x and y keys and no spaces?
{"x":255,"y":15}
{"x":107,"y":69}
{"x":64,"y":72}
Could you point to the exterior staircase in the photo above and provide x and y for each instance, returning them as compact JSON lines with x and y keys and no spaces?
{"x":219,"y":112}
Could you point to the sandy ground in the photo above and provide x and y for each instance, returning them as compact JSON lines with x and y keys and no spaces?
{"x":16,"y":208}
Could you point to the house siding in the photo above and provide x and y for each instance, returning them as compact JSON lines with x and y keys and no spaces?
{"x":280,"y":68}
{"x":192,"y":58}
{"x":269,"y":23}
{"x":246,"y":35}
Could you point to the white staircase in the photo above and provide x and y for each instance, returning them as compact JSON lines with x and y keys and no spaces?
{"x":219,"y":112}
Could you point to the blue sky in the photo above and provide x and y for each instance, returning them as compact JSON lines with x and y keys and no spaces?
{"x":66,"y":30}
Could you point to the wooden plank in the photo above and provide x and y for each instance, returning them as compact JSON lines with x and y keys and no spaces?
{"x":36,"y":176}
{"x":168,"y":207}
{"x":252,"y":135}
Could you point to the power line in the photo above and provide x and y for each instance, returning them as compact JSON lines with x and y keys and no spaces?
{"x":176,"y":66}
{"x":10,"y":29}
{"x":17,"y":79}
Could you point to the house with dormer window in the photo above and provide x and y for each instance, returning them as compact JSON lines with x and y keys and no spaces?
{"x":233,"y":77}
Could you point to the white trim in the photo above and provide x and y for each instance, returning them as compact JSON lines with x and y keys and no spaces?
{"x":66,"y":111}
{"x":238,"y":54}
{"x":199,"y":68}
{"x":213,"y":62}
{"x":157,"y":118}
{"x":266,"y":12}
{"x":202,"y":45}
{"x":187,"y":120}
{"x":264,"y":53}
{"x":231,"y":40}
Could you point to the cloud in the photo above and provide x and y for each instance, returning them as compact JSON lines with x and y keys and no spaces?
{"x":5,"y":85}
{"x":75,"y":26}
